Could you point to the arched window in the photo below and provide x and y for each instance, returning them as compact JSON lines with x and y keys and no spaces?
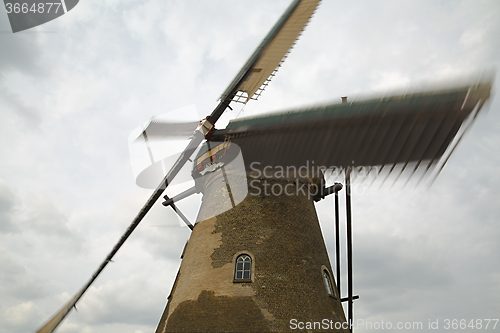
{"x":328,"y":283}
{"x":243,"y":269}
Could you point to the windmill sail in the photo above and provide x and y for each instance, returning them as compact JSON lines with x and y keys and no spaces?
{"x":392,"y":130}
{"x":160,"y":129}
{"x":253,"y":77}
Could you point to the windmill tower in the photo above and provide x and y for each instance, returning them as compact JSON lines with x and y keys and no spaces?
{"x":256,"y":260}
{"x":256,"y":266}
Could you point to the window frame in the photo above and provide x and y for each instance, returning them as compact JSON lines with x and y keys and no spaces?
{"x":329,"y":285}
{"x":252,"y":267}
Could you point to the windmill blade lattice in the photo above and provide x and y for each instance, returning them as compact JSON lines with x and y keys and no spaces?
{"x":413,"y":128}
{"x":263,"y":64}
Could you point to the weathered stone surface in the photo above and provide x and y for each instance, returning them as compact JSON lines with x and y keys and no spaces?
{"x":209,"y":313}
{"x":283,"y":236}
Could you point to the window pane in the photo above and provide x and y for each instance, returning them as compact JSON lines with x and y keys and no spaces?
{"x":243,"y":269}
{"x":328,"y":282}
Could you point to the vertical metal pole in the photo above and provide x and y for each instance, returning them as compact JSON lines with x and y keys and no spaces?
{"x":337,"y":240}
{"x":349,"y":247}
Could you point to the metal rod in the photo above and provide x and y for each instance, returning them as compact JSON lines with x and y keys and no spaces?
{"x":181,"y":215}
{"x":323,"y":192}
{"x":349,"y":247}
{"x":228,"y":188}
{"x":345,"y":299}
{"x":337,"y":241}
{"x":190,"y":191}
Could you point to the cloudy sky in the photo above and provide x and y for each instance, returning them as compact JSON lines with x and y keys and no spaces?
{"x":72,"y":90}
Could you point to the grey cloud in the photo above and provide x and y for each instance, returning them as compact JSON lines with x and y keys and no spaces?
{"x":19,"y":52}
{"x":29,"y":115}
{"x":20,"y":317}
{"x":7,"y":204}
{"x":133,"y":298}
{"x":399,"y":264}
{"x":18,"y":282}
{"x":47,"y":223}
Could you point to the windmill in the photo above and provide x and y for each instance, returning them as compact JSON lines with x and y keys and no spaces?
{"x":402,"y":129}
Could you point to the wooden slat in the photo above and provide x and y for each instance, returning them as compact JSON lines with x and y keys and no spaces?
{"x":272,"y":50}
